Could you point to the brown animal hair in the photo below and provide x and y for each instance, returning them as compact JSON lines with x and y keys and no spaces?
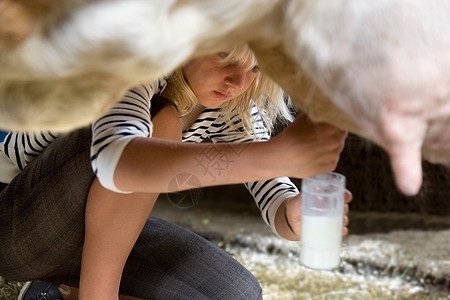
{"x":18,"y":18}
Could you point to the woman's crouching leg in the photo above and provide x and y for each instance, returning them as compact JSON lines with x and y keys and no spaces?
{"x":42,"y":211}
{"x":170,"y":262}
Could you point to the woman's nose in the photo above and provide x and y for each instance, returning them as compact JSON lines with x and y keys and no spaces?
{"x":236,"y":79}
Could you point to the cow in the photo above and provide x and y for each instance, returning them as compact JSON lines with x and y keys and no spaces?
{"x":380,"y":69}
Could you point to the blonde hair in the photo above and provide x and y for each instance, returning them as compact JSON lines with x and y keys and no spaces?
{"x":268,"y":97}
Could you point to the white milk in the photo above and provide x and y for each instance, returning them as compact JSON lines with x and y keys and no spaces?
{"x":321,"y":242}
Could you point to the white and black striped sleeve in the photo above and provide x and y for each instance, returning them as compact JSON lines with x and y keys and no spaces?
{"x":128,"y":119}
{"x":268,"y":194}
{"x":21,"y":148}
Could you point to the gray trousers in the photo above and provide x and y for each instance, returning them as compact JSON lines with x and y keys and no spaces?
{"x":42,"y":231}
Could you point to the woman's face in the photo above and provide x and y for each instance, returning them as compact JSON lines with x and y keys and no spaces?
{"x":214,"y":82}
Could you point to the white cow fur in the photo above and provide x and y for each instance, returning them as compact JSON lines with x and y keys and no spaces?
{"x":84,"y":54}
{"x":384,"y":64}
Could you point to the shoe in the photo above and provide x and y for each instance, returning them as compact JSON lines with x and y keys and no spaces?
{"x":39,"y":290}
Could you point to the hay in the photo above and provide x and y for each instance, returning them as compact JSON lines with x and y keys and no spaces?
{"x":375,"y":267}
{"x":9,"y":290}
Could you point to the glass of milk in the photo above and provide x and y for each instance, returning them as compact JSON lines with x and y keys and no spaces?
{"x":322,"y":217}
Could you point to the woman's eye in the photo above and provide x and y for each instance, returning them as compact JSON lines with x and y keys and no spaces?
{"x":222,"y":55}
{"x":255,"y":69}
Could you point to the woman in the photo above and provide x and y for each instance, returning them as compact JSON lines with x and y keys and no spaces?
{"x":129,"y":169}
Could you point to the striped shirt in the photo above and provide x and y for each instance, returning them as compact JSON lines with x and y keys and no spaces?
{"x":131,"y":118}
{"x":210,"y":126}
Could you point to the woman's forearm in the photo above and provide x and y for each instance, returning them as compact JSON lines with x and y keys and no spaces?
{"x":153,"y":165}
{"x":113,"y":224}
{"x":303,"y":149}
{"x":286,"y":228}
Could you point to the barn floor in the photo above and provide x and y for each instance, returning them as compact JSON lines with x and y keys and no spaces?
{"x":406,"y":263}
{"x":412,"y":261}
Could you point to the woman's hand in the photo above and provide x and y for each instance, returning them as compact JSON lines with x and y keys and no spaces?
{"x":288,"y":218}
{"x":306,"y":149}
{"x":302,"y":150}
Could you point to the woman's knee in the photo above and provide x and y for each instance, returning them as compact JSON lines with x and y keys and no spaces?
{"x":192,"y":266}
